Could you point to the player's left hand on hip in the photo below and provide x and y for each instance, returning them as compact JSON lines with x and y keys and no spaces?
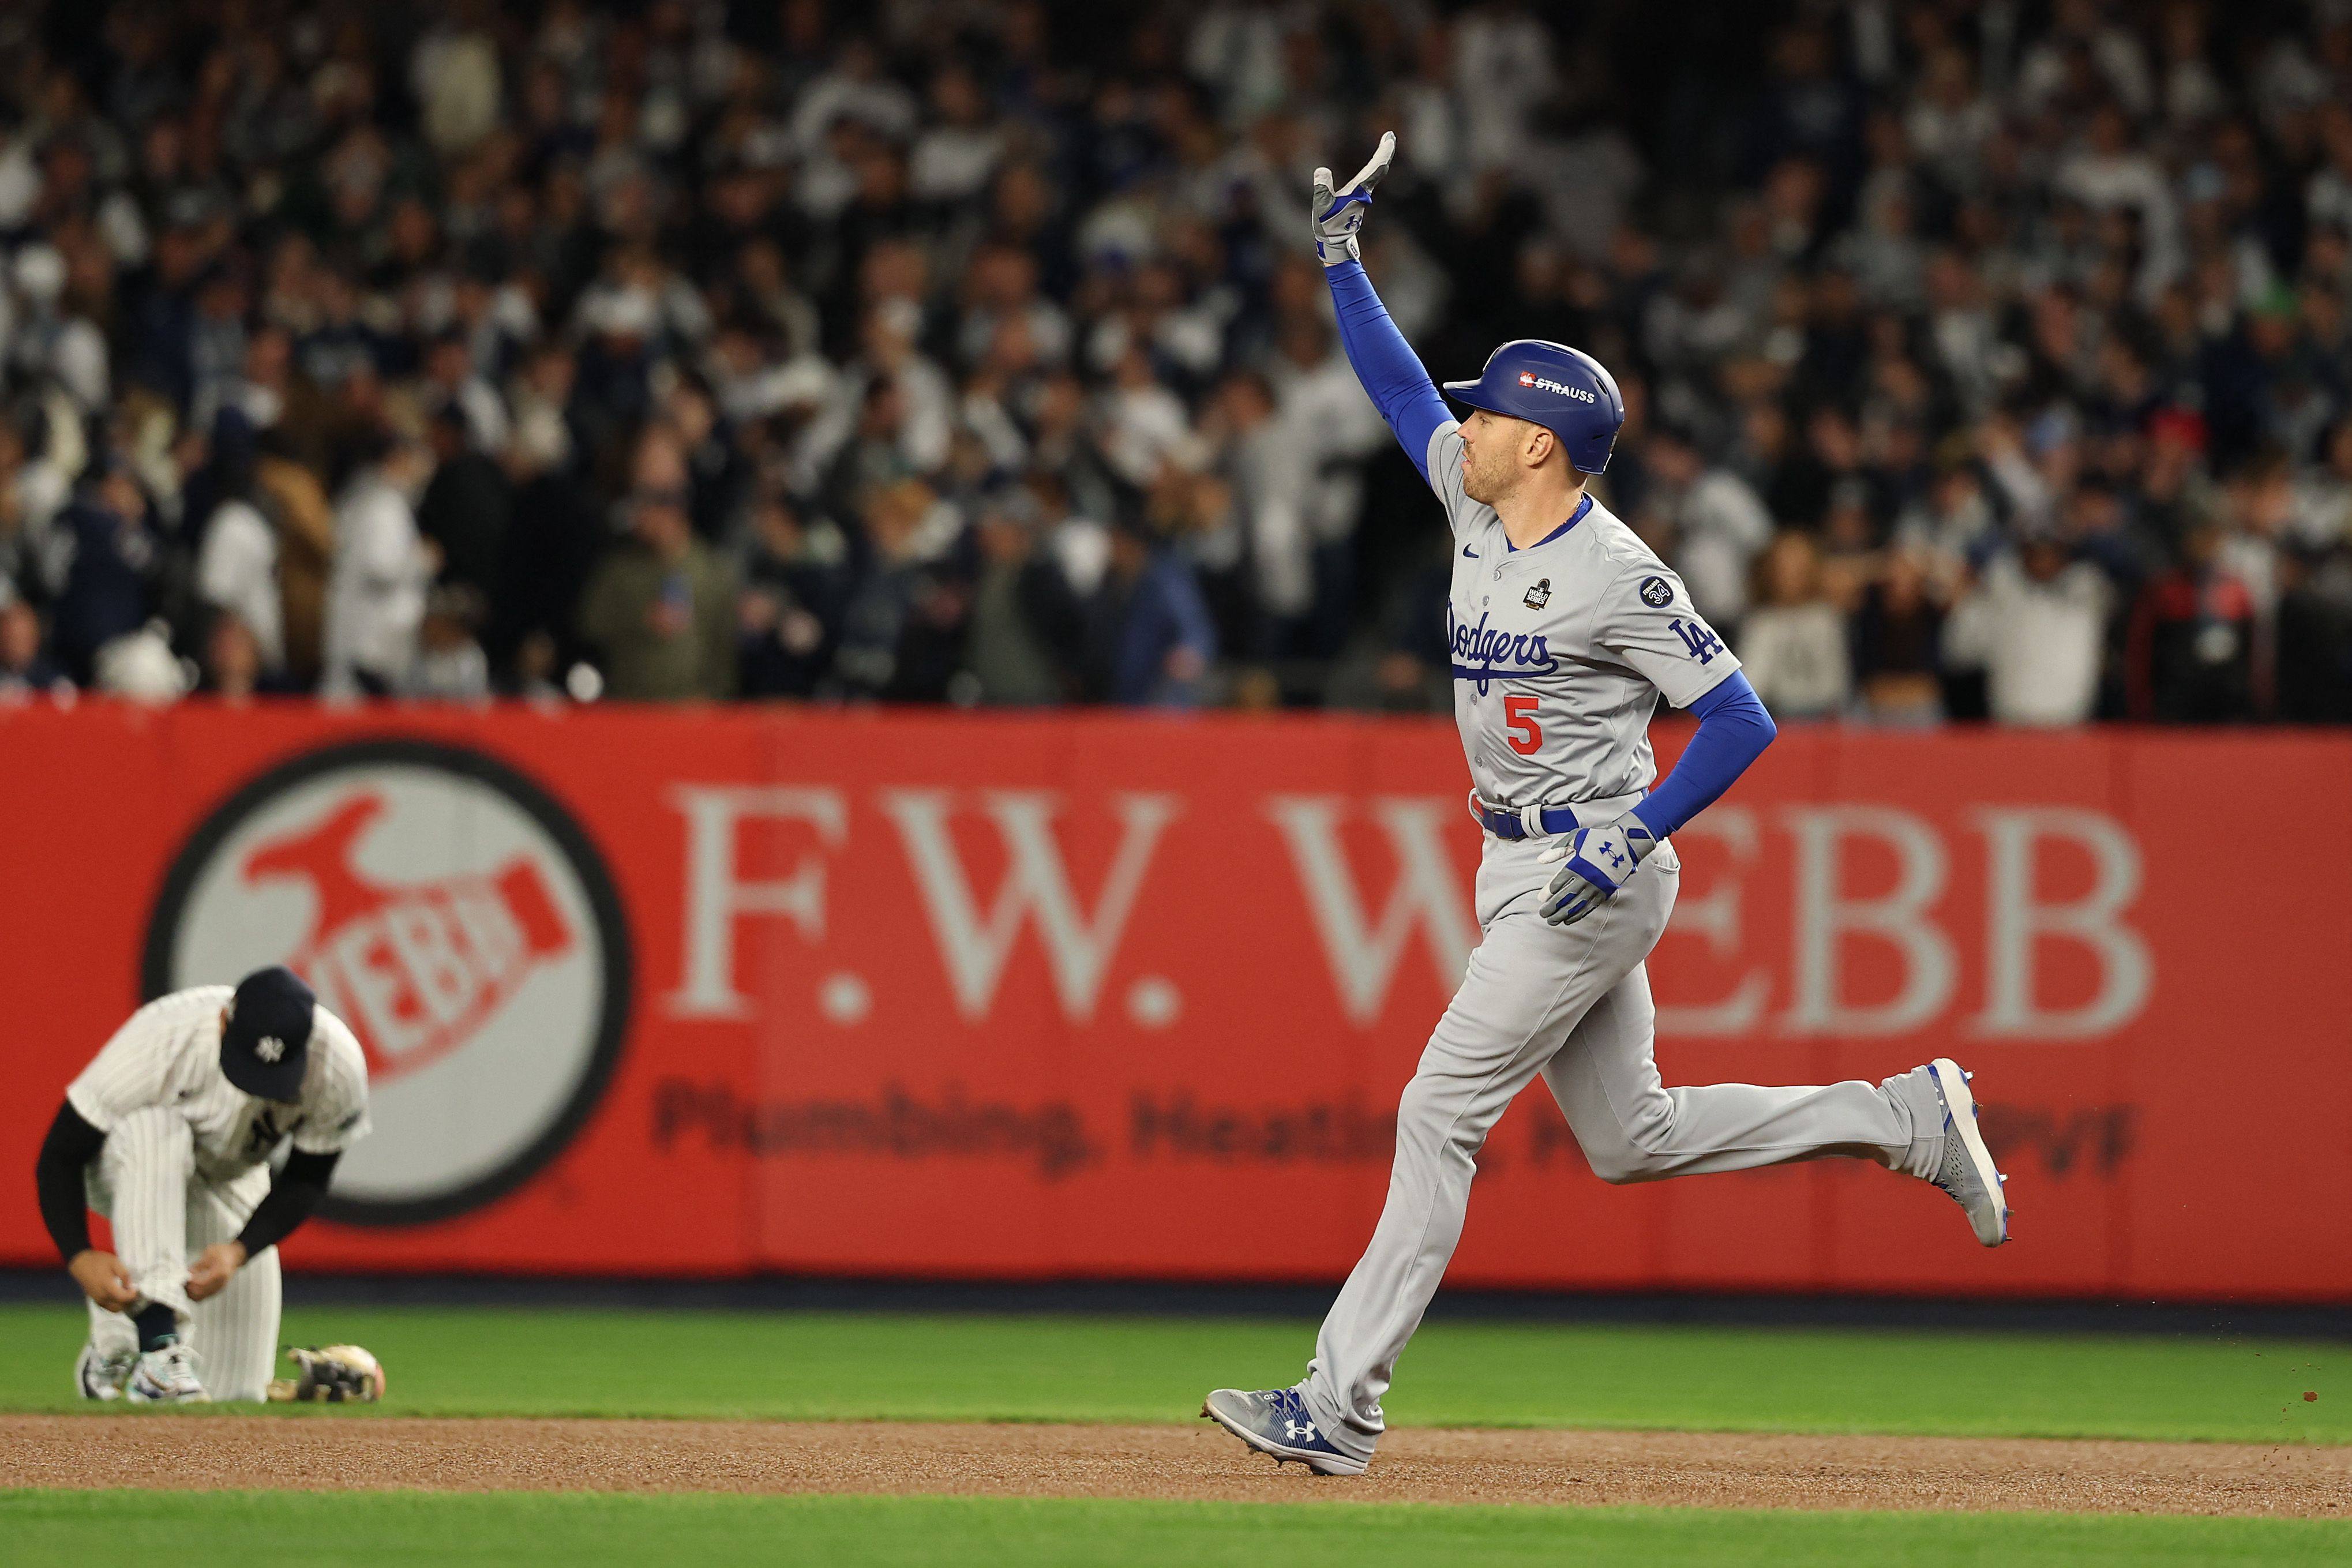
{"x":1599,"y":861}
{"x":213,"y":1269}
{"x":1338,"y":215}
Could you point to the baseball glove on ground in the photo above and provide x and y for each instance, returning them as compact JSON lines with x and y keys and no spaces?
{"x":337,"y":1373}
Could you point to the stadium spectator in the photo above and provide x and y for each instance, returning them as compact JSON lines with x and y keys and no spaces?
{"x":236,"y":563}
{"x":1152,"y":640}
{"x":2192,"y":638}
{"x":466,"y":507}
{"x":25,"y":670}
{"x":1793,"y":643}
{"x":231,"y":663}
{"x":797,"y":583}
{"x":450,"y":665}
{"x":2036,"y":623}
{"x":1970,"y":298}
{"x":106,"y":554}
{"x":1717,"y":523}
{"x":382,"y":568}
{"x":662,"y":609}
{"x":2314,"y":639}
{"x":1026,"y":621}
{"x":1898,"y":632}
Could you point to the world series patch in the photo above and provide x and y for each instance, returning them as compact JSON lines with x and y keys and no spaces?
{"x":1658,"y":593}
{"x":1540,"y":596}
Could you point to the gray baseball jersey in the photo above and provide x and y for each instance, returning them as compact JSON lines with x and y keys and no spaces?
{"x":1560,"y":650}
{"x":1559,"y":654}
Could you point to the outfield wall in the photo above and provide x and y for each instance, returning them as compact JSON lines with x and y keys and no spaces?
{"x":715,"y":992}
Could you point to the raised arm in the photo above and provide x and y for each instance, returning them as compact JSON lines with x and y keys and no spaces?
{"x":1391,"y":374}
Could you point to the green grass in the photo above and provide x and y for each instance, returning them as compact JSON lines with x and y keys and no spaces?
{"x":815,"y":1366}
{"x":254,"y":1529}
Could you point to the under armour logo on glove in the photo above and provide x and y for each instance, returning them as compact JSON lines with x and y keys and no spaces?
{"x":1338,"y":214}
{"x":1599,"y":861}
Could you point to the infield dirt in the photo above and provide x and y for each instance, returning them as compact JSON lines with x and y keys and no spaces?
{"x":219,"y":1451}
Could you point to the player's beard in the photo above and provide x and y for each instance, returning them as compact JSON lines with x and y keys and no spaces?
{"x":1486,"y":475}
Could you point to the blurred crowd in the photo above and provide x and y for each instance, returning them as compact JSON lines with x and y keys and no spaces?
{"x":1981,"y":359}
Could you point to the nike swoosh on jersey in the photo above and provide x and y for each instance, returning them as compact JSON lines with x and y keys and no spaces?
{"x":1470,"y":552}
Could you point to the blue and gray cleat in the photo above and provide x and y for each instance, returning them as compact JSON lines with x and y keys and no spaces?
{"x":1967,"y":1172}
{"x":1277,"y":1421}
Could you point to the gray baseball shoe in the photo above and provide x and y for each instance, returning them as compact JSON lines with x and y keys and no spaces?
{"x":1277,"y":1421}
{"x":102,"y":1376}
{"x":1967,"y":1172}
{"x":166,"y":1375}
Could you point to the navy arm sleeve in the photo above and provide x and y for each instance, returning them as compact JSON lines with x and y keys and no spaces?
{"x":1391,"y":373}
{"x":295,"y":1194}
{"x":1733,"y":731}
{"x":66,"y":1152}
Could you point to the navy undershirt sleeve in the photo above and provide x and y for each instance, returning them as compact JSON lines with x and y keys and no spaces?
{"x":71,"y":1144}
{"x":1733,"y":731}
{"x":294,"y":1196}
{"x":1391,"y":373}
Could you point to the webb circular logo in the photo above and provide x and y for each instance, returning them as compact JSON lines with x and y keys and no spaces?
{"x":455,"y":917}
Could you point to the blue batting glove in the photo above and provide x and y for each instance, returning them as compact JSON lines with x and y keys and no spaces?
{"x":1338,"y":215}
{"x":1599,"y":861}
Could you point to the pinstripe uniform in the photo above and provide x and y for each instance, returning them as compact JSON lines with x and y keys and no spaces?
{"x":186,"y":1160}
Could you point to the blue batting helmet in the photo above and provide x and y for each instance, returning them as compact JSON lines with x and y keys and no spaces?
{"x":1564,"y":390}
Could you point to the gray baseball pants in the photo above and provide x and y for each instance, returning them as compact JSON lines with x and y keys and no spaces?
{"x":164,"y":1212}
{"x":1573,"y":1005}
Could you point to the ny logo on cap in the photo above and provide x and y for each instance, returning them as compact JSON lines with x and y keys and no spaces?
{"x":269,"y":1048}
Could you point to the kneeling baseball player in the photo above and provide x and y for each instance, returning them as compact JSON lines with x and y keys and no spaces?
{"x":168,"y":1132}
{"x":1565,"y":630}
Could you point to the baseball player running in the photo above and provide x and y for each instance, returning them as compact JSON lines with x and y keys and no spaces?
{"x":168,"y":1132}
{"x":1565,"y":630}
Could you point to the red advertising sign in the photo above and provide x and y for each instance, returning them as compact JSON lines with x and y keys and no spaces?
{"x":704,"y":992}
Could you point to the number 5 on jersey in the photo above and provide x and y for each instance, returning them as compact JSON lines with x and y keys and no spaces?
{"x":1519,"y":719}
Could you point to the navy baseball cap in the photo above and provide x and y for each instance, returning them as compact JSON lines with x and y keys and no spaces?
{"x":1565,"y":390}
{"x":266,"y":1043}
